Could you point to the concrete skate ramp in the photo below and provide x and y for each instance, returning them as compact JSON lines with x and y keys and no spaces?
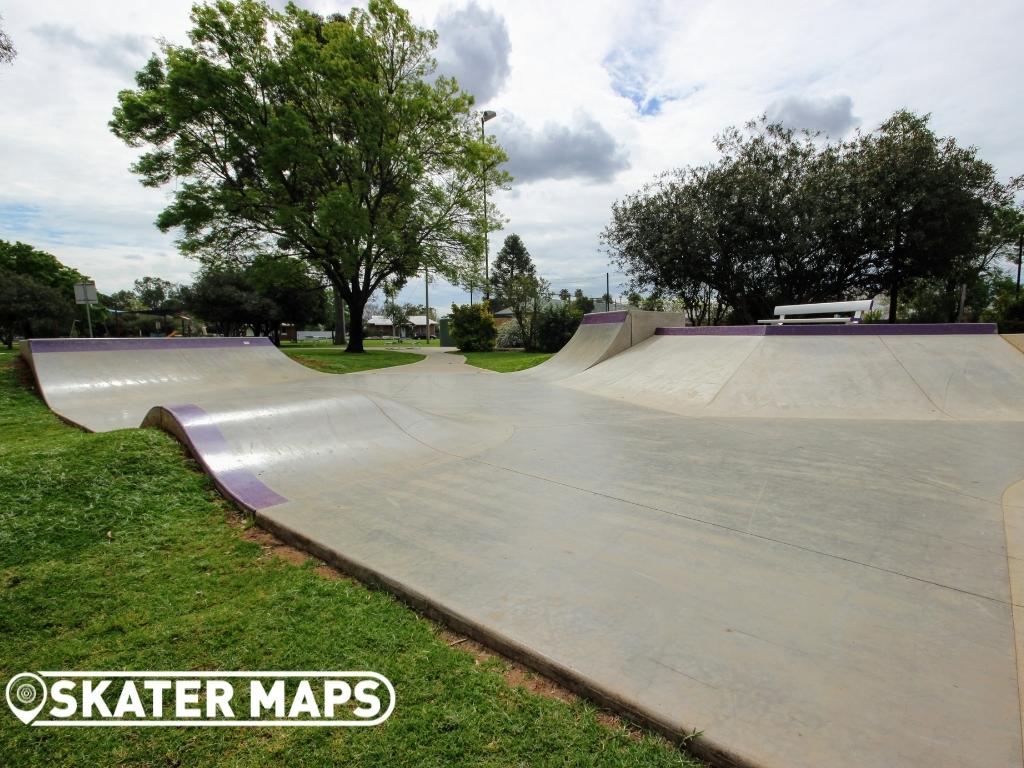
{"x":837,"y":372}
{"x":805,"y":592}
{"x":600,"y":336}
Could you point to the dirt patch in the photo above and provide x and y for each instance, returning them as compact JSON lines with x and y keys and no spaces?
{"x":274,"y":547}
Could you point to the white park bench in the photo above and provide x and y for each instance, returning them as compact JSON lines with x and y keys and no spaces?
{"x":840,"y":311}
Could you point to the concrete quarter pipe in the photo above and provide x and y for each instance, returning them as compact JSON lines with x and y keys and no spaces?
{"x":805,"y":547}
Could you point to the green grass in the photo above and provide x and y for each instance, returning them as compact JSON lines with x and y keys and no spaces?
{"x":505,"y":361}
{"x":116,"y":553}
{"x":326,"y":344}
{"x":331,"y":359}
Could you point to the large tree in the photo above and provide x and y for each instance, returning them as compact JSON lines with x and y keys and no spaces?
{"x":792,"y":218}
{"x":926,"y":205}
{"x":323,"y":138}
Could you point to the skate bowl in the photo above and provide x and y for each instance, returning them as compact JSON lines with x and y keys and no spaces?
{"x":804,"y":579}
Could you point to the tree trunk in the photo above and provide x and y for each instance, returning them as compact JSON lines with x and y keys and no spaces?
{"x":339,"y":319}
{"x":355,"y":333}
{"x":894,"y":292}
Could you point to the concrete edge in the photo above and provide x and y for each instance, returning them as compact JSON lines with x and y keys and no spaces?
{"x":1013,"y":528}
{"x":853,"y":329}
{"x":693,"y":742}
{"x":238,"y":485}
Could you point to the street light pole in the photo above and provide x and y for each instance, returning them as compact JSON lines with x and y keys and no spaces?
{"x":487,"y":115}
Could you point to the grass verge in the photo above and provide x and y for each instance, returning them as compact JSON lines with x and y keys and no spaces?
{"x":336,"y":360}
{"x":116,"y":553}
{"x":505,"y":361}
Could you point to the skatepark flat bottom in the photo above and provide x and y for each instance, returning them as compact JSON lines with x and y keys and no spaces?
{"x":803,"y":591}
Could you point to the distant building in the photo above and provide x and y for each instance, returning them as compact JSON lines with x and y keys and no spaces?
{"x":418,"y":326}
{"x":415,"y":327}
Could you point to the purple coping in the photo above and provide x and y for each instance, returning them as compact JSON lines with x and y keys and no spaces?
{"x":206,"y":440}
{"x":605,"y":317}
{"x":853,"y":329}
{"x":130,"y":345}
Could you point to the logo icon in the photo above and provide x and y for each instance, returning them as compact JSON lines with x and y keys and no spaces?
{"x":26,"y":696}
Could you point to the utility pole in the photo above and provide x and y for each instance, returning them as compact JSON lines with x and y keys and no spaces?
{"x":607,"y":293}
{"x":426,"y":288}
{"x":487,"y":115}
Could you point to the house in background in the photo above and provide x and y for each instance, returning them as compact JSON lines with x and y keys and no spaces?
{"x":415,"y":327}
{"x":378,"y":325}
{"x":418,"y":327}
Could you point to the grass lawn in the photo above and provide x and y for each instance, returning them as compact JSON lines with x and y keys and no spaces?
{"x":505,"y":361}
{"x":330,"y":359}
{"x":117,"y":554}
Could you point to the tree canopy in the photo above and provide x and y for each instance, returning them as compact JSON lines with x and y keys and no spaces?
{"x":7,"y":50}
{"x":323,"y":138}
{"x":783,"y":217}
{"x":36,"y":292}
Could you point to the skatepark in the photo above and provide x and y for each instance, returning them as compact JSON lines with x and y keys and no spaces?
{"x":801,"y":543}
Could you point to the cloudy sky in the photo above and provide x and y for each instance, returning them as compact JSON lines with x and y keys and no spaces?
{"x":593,"y":99}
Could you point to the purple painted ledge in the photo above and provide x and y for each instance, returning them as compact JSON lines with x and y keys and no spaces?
{"x":596,"y":318}
{"x":854,"y":329}
{"x":206,"y":439}
{"x":132,"y":345}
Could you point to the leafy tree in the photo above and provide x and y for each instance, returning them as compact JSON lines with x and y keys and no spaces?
{"x":31,"y":308}
{"x":7,"y":50}
{"x":398,"y":314}
{"x":299,"y":297}
{"x":516,"y":285}
{"x":582,"y":303}
{"x":41,"y":266}
{"x":564,"y":295}
{"x":787,"y":218}
{"x":555,"y":325}
{"x":227,"y":299}
{"x":322,"y":137}
{"x":155,"y":292}
{"x":512,"y":261}
{"x":925,"y":204}
{"x":124,"y":301}
{"x":472,"y":327}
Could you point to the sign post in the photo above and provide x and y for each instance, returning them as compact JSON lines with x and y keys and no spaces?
{"x":85,"y":293}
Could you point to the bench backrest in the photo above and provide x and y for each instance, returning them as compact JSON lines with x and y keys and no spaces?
{"x":856,"y":307}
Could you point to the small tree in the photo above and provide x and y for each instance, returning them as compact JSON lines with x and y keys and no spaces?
{"x":472,"y":327}
{"x":582,"y":303}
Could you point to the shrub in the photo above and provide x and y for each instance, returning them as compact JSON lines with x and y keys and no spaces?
{"x":510,"y":335}
{"x":472,"y":327}
{"x":556,"y":324}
